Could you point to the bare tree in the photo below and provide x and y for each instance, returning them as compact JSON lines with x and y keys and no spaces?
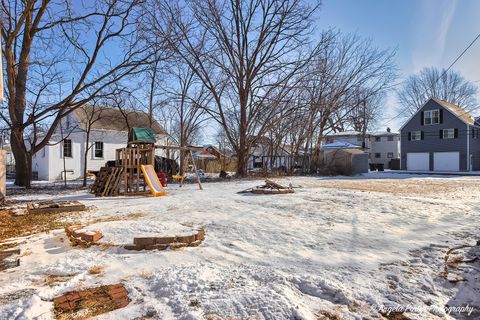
{"x":432,"y":82}
{"x":47,"y":45}
{"x":242,"y":51}
{"x":187,"y":100}
{"x":345,"y":66}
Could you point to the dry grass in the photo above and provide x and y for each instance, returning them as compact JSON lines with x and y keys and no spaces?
{"x":51,"y":280}
{"x":12,"y":226}
{"x":106,"y":245}
{"x":96,"y":269}
{"x":397,"y":186}
{"x":130,"y":216}
{"x":454,"y":261}
{"x":26,"y":253}
{"x":329,"y":315}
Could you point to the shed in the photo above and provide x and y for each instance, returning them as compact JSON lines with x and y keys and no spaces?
{"x":346,"y":161}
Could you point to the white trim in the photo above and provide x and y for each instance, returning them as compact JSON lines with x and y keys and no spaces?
{"x":430,"y":112}
{"x":446,"y":137}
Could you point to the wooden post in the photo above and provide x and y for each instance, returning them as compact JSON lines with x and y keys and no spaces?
{"x":196,"y":172}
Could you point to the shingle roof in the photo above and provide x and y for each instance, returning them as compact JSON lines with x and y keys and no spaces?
{"x":106,"y":118}
{"x":456,"y":110}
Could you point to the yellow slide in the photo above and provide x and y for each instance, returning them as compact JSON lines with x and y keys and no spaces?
{"x":152,"y":180}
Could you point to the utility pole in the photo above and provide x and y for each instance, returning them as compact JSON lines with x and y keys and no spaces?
{"x":364,"y":125}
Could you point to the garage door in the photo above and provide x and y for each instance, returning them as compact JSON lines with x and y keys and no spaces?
{"x":418,"y":161}
{"x":446,"y":161}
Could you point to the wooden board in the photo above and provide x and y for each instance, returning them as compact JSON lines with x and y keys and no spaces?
{"x":271,"y":191}
{"x":55,"y":207}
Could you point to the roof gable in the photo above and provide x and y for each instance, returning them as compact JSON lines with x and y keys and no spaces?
{"x":105,"y":118}
{"x":457,"y":111}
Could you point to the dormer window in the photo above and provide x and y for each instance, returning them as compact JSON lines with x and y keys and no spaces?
{"x":431,"y":117}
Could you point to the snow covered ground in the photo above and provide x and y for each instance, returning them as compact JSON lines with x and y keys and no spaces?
{"x":338,"y":247}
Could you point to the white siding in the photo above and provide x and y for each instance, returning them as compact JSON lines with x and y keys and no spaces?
{"x":50,"y":165}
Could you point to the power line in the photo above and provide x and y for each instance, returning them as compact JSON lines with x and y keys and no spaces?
{"x":443,"y":73}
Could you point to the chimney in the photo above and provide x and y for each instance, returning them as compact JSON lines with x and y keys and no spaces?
{"x":388,"y":129}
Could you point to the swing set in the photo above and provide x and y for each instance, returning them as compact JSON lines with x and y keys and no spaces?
{"x":134,"y":168}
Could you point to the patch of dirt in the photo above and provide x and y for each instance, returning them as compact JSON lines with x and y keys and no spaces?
{"x":12,"y":226}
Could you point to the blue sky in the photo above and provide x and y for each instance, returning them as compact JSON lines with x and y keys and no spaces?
{"x":423,"y":32}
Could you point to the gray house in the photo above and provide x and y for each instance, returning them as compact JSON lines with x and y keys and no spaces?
{"x":440,"y":136}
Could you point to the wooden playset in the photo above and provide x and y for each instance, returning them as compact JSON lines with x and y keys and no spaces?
{"x":134,"y":168}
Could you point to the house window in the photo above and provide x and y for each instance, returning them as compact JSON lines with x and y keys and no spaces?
{"x":377,"y":155}
{"x":390,"y":155}
{"x":67,"y":148}
{"x":431,"y":117}
{"x":98,"y":149}
{"x":257,"y":162}
{"x":390,"y":138}
{"x":416,"y":135}
{"x":475,"y":133}
{"x":448,"y":133}
{"x":378,"y":139}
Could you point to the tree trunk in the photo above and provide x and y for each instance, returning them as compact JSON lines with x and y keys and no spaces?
{"x":242,"y":162}
{"x":242,"y":152}
{"x":23,"y":159}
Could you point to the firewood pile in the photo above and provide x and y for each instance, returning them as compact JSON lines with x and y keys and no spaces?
{"x":270,"y":187}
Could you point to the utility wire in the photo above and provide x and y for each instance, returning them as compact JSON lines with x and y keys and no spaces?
{"x":443,"y":73}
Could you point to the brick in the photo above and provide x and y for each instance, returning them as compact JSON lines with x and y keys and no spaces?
{"x":91,"y":236}
{"x":144,"y":241}
{"x":6,"y":253}
{"x":200,"y":234}
{"x":178,"y":245}
{"x":134,"y":247}
{"x":164,"y":240}
{"x":195,"y":243}
{"x":186,"y":239}
{"x":70,"y":229}
{"x":117,"y":289}
{"x":122,"y":302}
{"x":84,"y":293}
{"x":63,"y":306}
{"x":156,"y":247}
{"x":72,"y":296}
{"x":118,"y":294}
{"x":59,"y":300}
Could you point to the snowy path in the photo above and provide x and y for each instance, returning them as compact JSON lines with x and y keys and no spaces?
{"x":322,"y":250}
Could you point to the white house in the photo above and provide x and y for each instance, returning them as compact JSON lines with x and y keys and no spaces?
{"x":109,"y":131}
{"x":264,"y":155}
{"x":383,"y":146}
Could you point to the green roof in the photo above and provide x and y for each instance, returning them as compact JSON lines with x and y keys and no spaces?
{"x":141,"y":135}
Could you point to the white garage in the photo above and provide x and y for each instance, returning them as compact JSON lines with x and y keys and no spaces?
{"x":446,"y":161}
{"x":418,"y":161}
